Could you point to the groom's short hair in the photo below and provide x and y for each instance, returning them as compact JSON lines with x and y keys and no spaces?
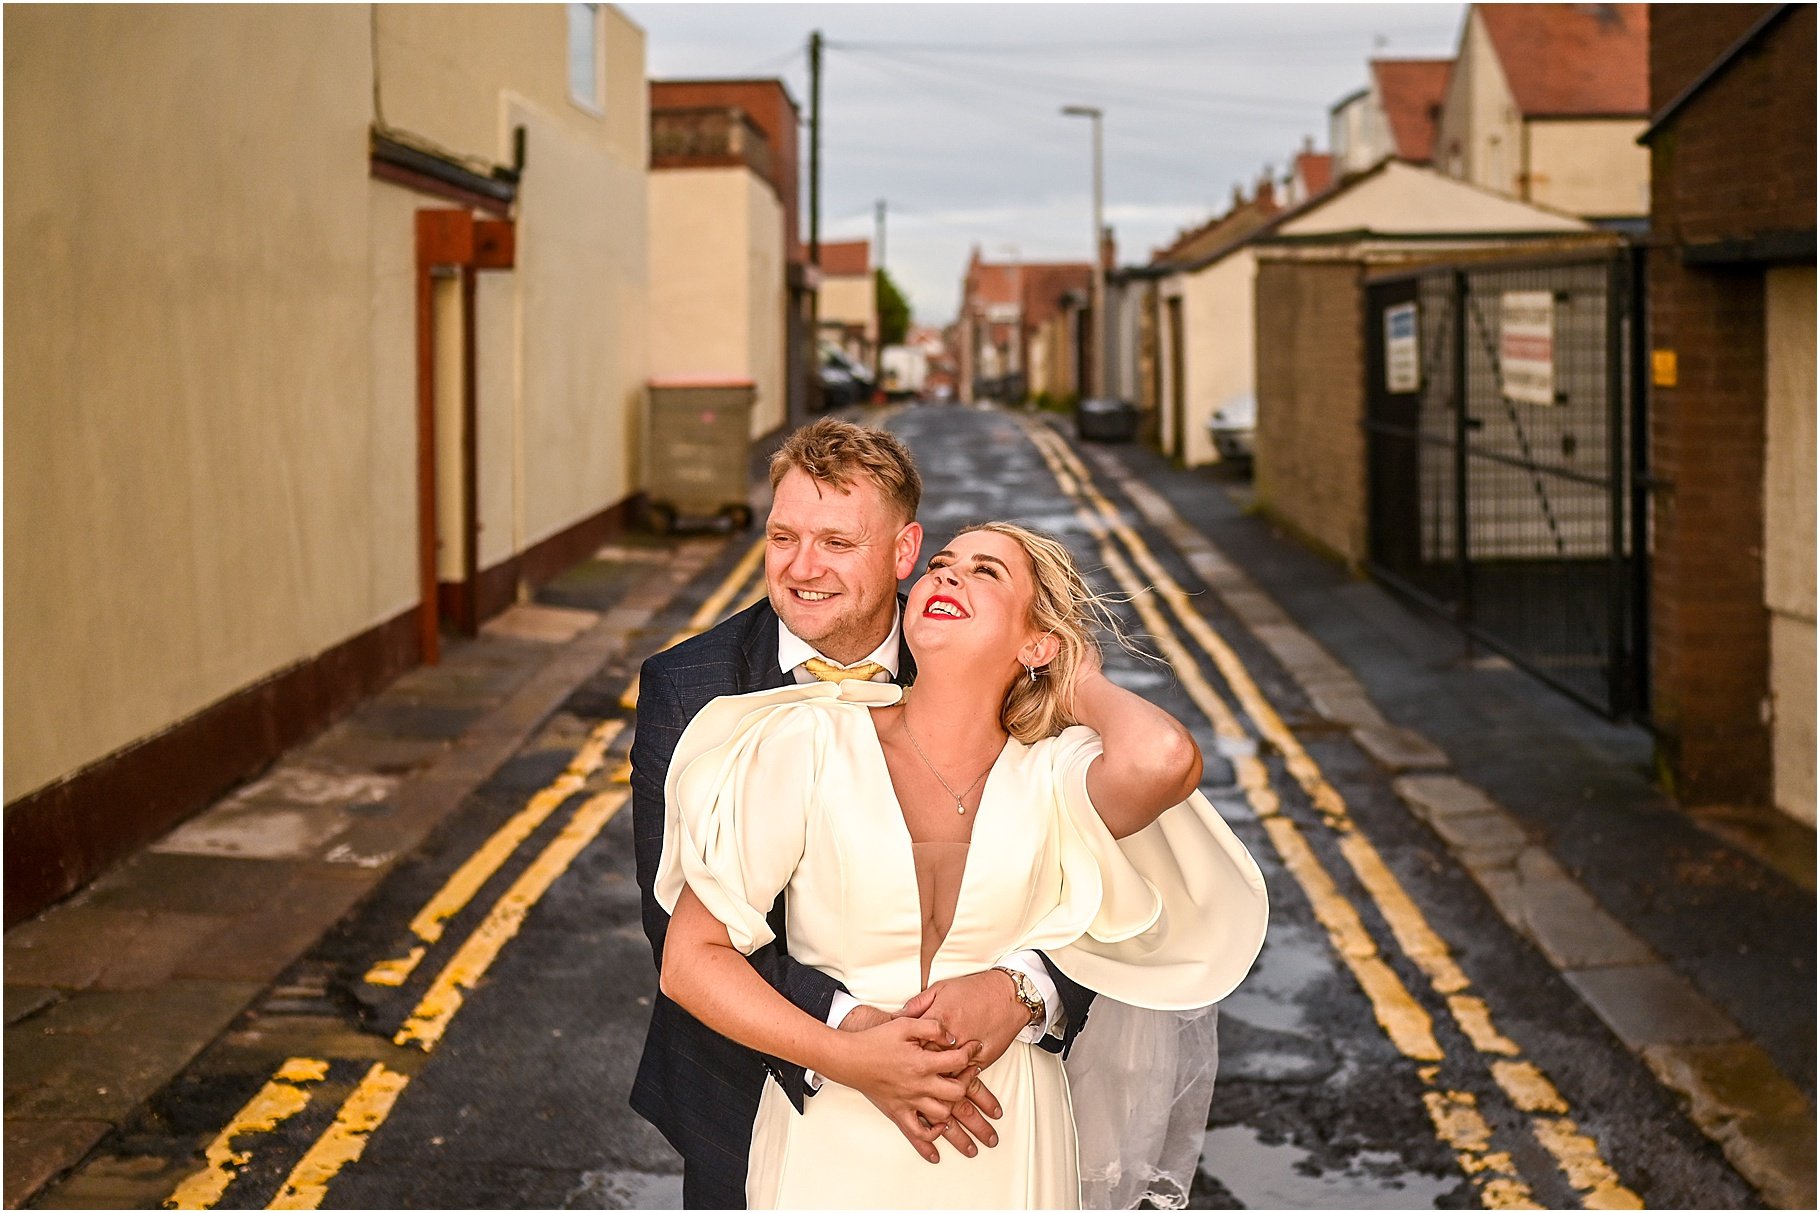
{"x":838,"y":452}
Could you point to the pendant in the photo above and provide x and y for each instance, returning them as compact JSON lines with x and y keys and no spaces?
{"x":960,"y":808}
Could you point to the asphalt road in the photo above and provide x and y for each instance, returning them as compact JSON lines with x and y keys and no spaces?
{"x":1397,"y":1045}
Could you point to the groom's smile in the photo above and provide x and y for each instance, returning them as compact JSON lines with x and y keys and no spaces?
{"x":833,"y":557}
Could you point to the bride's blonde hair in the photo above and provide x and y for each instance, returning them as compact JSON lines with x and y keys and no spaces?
{"x":1064,"y":605}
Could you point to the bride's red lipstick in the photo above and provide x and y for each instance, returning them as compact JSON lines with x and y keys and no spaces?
{"x":935,"y":598}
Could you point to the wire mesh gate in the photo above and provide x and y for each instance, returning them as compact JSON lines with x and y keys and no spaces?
{"x":1505,"y":454}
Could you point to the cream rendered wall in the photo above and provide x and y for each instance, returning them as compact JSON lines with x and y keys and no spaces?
{"x":1788,"y":540}
{"x":1038,"y":371}
{"x":851,"y":300}
{"x":1589,"y":167}
{"x":1169,"y":295}
{"x":464,"y":76}
{"x":768,"y":300}
{"x":698,"y":272}
{"x":1218,"y":322}
{"x":392,"y":326}
{"x":717,"y":281}
{"x":194,"y":465}
{"x":1351,"y":133}
{"x":496,"y":341}
{"x":1480,"y":113}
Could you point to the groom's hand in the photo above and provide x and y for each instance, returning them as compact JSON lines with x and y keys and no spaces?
{"x":979,"y":1006}
{"x":918,"y":1120}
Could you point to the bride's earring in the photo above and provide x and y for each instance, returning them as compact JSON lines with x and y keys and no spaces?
{"x":1030,"y":670}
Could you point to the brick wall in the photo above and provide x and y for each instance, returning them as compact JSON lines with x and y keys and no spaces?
{"x":1709,"y":628}
{"x":1739,"y":158}
{"x":1736,"y":162}
{"x":1310,"y":462}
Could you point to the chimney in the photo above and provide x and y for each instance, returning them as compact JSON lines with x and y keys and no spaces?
{"x":1109,"y":253}
{"x":1267,"y":191}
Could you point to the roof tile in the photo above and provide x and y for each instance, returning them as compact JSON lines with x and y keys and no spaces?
{"x":1411,"y":91}
{"x":1573,"y":60}
{"x":846,"y":258}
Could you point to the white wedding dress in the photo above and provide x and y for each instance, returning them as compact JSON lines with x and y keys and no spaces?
{"x":787,"y":791}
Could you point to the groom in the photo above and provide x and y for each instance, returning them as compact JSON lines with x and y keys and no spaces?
{"x":841,"y":534}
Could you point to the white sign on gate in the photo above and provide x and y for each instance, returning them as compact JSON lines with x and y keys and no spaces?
{"x":1402,"y":360}
{"x":1526,"y":346}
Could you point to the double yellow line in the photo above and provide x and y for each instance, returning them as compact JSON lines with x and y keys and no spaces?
{"x":292,"y":1086}
{"x":1455,"y":1114}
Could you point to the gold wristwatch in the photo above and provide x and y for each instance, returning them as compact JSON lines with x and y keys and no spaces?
{"x":1024,"y":990}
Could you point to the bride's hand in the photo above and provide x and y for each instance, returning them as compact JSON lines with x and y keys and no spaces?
{"x":904,"y":1066}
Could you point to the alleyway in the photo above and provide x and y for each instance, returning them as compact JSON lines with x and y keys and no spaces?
{"x":1500,"y":965}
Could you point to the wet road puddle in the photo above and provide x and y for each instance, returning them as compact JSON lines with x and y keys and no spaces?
{"x":1260,"y":1175}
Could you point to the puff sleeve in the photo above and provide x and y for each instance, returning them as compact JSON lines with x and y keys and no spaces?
{"x":1181,"y":907}
{"x":736,"y":806}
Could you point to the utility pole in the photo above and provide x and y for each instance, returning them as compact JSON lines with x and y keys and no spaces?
{"x":814,"y":352}
{"x":1097,"y":305}
{"x":815,"y":149}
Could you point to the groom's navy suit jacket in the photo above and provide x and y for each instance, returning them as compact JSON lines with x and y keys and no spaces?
{"x":697,"y":1087}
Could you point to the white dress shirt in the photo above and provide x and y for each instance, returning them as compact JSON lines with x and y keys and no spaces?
{"x":792,"y":652}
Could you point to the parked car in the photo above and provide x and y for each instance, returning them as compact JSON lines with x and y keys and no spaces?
{"x":844,"y":381}
{"x":1233,"y":428}
{"x":839,"y":388}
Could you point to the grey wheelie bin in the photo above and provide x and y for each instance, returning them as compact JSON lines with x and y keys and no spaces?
{"x":698,"y":450}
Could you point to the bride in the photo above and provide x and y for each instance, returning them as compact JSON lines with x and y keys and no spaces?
{"x":1015,"y":798}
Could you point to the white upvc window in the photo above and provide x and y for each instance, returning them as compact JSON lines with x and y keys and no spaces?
{"x":587,"y":56}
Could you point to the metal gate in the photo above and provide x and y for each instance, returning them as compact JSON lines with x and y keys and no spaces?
{"x":1505,"y":452}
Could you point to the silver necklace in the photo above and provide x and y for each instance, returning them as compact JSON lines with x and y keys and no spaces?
{"x":960,"y":805}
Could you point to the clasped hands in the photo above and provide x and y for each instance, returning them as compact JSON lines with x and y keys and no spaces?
{"x":921,"y":1065}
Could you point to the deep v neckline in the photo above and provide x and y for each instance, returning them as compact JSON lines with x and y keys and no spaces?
{"x":910,"y":843}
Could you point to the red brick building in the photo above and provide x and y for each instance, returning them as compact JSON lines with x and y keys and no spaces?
{"x":1731,"y":424}
{"x":1004,"y":305}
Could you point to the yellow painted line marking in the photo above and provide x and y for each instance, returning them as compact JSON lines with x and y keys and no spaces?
{"x":709,"y":612}
{"x":393,"y":972}
{"x":1474,"y":1018}
{"x":1398,"y":1013}
{"x":478,"y":868}
{"x":362,"y":1112}
{"x":1579,"y":1156}
{"x":1410,"y":927}
{"x":1528,"y":1087}
{"x":1457,"y":1120}
{"x":431,"y":1017}
{"x":277,"y":1101}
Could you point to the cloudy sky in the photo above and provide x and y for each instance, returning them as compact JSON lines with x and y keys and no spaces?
{"x":950,"y":112}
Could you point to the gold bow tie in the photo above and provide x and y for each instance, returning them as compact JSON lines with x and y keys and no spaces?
{"x":827,"y":671}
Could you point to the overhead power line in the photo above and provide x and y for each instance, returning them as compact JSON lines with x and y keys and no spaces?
{"x":1152,"y":95}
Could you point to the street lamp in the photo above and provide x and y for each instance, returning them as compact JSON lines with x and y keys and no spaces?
{"x":1098,"y":297}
